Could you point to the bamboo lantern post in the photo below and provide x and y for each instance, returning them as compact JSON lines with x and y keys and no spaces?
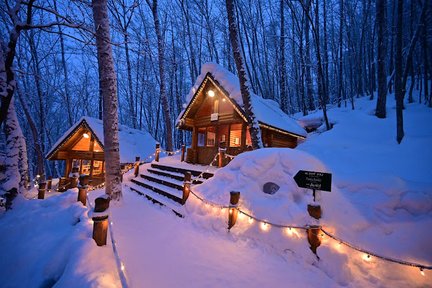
{"x":233,"y":212}
{"x":41,"y":190}
{"x":183,"y":150}
{"x":83,"y":188}
{"x":49,"y":183}
{"x":313,"y":238}
{"x":137,"y":162}
{"x":314,"y":211}
{"x":157,"y":152}
{"x":221,"y":156}
{"x":100,"y":220}
{"x":186,"y":186}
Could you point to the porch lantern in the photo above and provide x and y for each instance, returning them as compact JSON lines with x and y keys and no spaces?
{"x":211,"y":93}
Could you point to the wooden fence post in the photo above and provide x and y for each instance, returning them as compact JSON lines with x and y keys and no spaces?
{"x":313,"y":238}
{"x":157,"y":152}
{"x":183,"y":150}
{"x":49,"y":183}
{"x":82,"y":188}
{"x":186,"y":186}
{"x":100,"y":220}
{"x":233,"y":212}
{"x":41,"y":190}
{"x":137,"y":162}
{"x":221,"y":157}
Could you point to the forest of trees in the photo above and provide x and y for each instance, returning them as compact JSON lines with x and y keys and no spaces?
{"x":303,"y":54}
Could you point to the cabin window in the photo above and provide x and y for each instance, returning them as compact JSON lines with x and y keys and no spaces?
{"x":201,"y":137}
{"x":211,"y":136}
{"x":223,"y":135}
{"x":97,"y":168}
{"x":85,"y":167}
{"x":235,"y":135}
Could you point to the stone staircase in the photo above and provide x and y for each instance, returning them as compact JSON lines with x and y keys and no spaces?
{"x":163,"y":184}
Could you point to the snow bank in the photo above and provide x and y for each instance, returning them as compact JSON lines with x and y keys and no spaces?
{"x":389,"y":184}
{"x":49,"y":242}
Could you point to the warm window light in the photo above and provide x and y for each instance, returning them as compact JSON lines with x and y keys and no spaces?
{"x":211,"y":93}
{"x":85,"y":135}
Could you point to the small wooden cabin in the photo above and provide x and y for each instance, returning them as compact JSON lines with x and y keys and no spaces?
{"x":82,"y":147}
{"x":215,"y":115}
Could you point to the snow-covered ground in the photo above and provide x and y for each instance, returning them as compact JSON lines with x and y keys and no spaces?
{"x":381,"y":201}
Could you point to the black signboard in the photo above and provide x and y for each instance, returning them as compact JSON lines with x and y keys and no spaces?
{"x":314,"y":180}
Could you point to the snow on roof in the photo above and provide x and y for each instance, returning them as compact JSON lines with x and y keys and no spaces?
{"x":133,"y":142}
{"x":266,"y":111}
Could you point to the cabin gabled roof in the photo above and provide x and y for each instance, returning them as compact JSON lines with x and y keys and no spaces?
{"x":267,"y":112}
{"x":133,"y":142}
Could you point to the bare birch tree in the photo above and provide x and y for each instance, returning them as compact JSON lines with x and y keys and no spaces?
{"x":108,"y":90}
{"x":163,"y":95}
{"x":380,"y":111}
{"x":244,"y":88}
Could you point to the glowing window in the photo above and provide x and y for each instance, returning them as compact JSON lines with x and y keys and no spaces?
{"x":97,"y":167}
{"x":235,"y":135}
{"x":201,"y":137}
{"x":211,"y":137}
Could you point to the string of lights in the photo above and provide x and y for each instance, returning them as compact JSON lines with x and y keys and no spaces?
{"x":170,"y":152}
{"x":267,"y":224}
{"x":370,"y":253}
{"x":120,"y":264}
{"x":207,"y":170}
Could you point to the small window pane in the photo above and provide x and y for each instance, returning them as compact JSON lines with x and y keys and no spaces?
{"x":211,"y":137}
{"x":201,"y":137}
{"x":97,"y":167}
{"x":235,"y":135}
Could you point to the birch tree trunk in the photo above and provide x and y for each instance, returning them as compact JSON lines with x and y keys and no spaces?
{"x":14,"y":178}
{"x":244,"y":89}
{"x":380,"y":111}
{"x":163,"y":95}
{"x":108,"y":91}
{"x":309,"y":87}
{"x":66,"y":93}
{"x":282,"y":81}
{"x":340,"y":75}
{"x":399,"y":90}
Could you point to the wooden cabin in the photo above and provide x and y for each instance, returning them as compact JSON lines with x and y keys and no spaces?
{"x":215,"y":116}
{"x":82,"y":148}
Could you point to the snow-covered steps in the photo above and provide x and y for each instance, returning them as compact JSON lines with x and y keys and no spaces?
{"x":156,"y":198}
{"x":205,"y":175}
{"x":168,"y":192}
{"x":173,"y":175}
{"x":163,"y":184}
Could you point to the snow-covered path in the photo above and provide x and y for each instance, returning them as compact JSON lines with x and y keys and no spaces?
{"x":161,"y":250}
